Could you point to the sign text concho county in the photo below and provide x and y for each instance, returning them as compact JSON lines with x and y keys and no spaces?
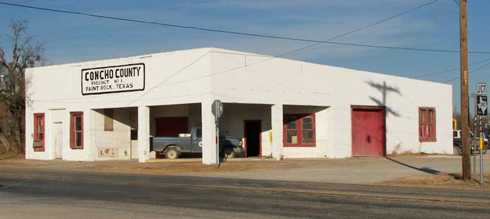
{"x":111,"y":79}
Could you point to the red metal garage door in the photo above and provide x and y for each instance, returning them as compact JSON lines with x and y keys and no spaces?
{"x":171,"y":126}
{"x":368,"y":131}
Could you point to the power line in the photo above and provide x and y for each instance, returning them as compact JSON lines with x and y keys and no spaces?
{"x":451,"y":69}
{"x":385,"y":19}
{"x":359,"y":28}
{"x":296,"y":50}
{"x":355,"y":30}
{"x":223,"y":31}
{"x":315,"y":44}
{"x":479,"y":68}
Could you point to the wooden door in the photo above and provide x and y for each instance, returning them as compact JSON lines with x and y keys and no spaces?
{"x":368,"y":132}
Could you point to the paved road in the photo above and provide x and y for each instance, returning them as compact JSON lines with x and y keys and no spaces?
{"x":50,"y":194}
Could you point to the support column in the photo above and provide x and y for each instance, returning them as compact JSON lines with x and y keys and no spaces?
{"x":143,"y":133}
{"x":277,"y":127}
{"x":209,"y":146}
{"x":89,"y":134}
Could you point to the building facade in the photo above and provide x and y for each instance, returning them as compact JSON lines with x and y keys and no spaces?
{"x":109,"y":109}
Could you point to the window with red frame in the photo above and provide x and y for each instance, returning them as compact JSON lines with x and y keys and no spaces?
{"x":299,"y":130}
{"x":76,"y":130}
{"x":39,"y":133}
{"x":427,"y":124}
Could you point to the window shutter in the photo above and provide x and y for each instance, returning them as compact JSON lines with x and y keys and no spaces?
{"x":72,"y":131}
{"x":35,"y":128}
{"x":83,"y":134}
{"x":421,"y":125}
{"x":433,"y":124}
{"x":427,"y":124}
{"x":39,"y":134}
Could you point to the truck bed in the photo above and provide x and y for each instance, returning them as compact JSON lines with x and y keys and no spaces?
{"x":160,"y":143}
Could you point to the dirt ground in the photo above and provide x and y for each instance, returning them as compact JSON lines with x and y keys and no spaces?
{"x":5,"y":156}
{"x":441,"y":181}
{"x":406,"y":171}
{"x":155,"y":167}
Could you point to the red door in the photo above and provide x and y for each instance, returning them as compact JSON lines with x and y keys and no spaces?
{"x":368,"y":132}
{"x":171,"y":126}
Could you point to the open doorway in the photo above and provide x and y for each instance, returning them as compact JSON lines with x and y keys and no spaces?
{"x":252,"y":132}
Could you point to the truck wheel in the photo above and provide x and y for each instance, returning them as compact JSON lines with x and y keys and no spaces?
{"x":229,"y":154}
{"x":172,"y":153}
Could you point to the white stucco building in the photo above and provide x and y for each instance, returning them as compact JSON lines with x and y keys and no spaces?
{"x":108,"y":109}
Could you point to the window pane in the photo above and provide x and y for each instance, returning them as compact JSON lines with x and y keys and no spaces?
{"x":308,"y":136}
{"x":78,"y":139}
{"x":292,"y":136}
{"x":292,"y":124}
{"x":307,"y":123}
{"x":78,"y":123}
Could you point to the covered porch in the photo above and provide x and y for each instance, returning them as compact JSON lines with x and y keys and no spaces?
{"x":265,"y":130}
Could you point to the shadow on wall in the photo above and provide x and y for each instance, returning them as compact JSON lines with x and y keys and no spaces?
{"x":110,"y":134}
{"x":385,"y":89}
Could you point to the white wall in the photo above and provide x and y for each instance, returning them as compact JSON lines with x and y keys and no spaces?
{"x":115,"y":144}
{"x":233,"y":125}
{"x":322,"y":131}
{"x":171,"y":78}
{"x":250,"y":78}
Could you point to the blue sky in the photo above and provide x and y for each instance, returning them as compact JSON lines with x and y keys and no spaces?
{"x":70,"y":38}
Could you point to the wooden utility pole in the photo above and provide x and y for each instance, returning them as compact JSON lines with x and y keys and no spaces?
{"x":465,"y":132}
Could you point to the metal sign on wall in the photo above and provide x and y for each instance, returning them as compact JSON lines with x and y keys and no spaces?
{"x":113,"y":79}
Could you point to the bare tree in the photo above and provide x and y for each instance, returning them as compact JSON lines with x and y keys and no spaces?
{"x":24,"y":53}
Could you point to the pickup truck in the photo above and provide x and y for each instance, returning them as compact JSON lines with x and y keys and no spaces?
{"x":191,"y":143}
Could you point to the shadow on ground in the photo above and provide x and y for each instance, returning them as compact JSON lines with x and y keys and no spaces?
{"x":422,"y":169}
